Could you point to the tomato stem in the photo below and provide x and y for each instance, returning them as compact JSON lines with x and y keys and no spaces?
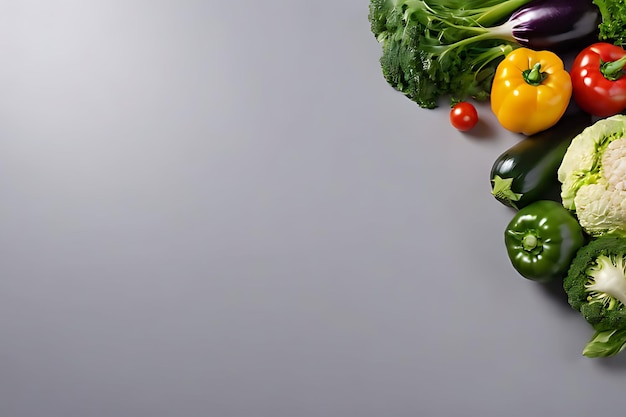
{"x":534,"y":76}
{"x":613,"y":70}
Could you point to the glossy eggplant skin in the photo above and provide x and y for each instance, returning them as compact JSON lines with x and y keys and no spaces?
{"x":530,"y":166}
{"x":556,"y":24}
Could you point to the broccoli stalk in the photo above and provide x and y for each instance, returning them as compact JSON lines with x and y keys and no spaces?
{"x":596,"y":286}
{"x":607,"y":281}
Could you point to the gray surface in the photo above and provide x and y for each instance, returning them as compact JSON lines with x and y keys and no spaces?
{"x":221,"y":209}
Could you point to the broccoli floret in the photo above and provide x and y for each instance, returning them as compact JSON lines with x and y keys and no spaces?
{"x":596,"y":287}
{"x":404,"y":65}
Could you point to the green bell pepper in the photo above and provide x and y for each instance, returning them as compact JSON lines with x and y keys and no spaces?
{"x":542,"y":239}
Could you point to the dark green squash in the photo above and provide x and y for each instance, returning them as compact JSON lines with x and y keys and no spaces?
{"x":527,"y":172}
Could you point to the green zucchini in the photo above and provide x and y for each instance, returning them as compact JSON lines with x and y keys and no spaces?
{"x":527,"y":171}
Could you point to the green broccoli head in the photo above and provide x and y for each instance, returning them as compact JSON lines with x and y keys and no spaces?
{"x":381,"y":11}
{"x":406,"y":68}
{"x":593,"y":177}
{"x":596,"y":286}
{"x":405,"y":65}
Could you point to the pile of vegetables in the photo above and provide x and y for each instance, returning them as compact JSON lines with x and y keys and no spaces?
{"x":568,"y":191}
{"x":433,"y":48}
{"x":565,"y":180}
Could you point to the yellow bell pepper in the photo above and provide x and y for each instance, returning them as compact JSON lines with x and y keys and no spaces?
{"x":531,"y":90}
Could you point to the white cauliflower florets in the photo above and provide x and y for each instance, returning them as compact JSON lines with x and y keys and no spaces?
{"x":593,"y":174}
{"x":614,"y":164}
{"x":601,"y":209}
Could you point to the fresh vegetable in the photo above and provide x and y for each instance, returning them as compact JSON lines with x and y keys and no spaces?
{"x":541,"y":240}
{"x":596,"y":286}
{"x":598,"y":82}
{"x":593,"y":177}
{"x":463,"y":116}
{"x":531,"y":91}
{"x":613,"y":25}
{"x":555,"y":25}
{"x":527,"y":171}
{"x":434,"y":48}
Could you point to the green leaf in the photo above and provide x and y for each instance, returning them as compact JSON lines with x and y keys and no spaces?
{"x":605,"y":343}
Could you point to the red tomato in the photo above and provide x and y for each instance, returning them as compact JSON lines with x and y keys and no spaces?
{"x":463,"y":116}
{"x":598,"y":84}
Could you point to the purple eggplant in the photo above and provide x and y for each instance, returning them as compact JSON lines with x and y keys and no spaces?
{"x":554,"y":24}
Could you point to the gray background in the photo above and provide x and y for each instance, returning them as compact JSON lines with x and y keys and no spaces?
{"x":221,"y":209}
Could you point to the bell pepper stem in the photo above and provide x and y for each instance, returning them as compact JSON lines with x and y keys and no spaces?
{"x":613,"y":70}
{"x":534,"y":76}
{"x":529,"y":242}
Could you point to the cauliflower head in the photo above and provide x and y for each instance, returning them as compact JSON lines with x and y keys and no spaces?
{"x":593,"y":177}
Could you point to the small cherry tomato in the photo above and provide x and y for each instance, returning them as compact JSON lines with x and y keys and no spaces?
{"x":463,"y":116}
